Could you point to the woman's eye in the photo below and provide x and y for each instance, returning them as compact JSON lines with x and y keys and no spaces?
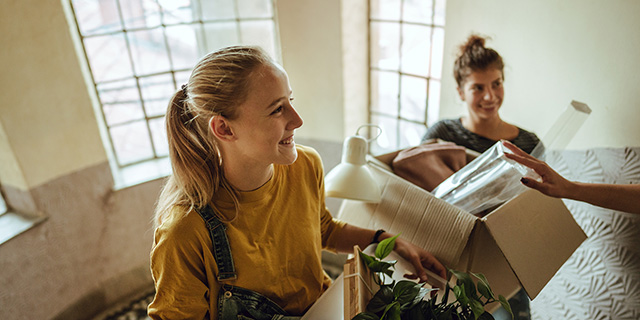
{"x":278,"y":110}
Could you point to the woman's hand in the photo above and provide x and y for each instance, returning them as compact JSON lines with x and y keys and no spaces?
{"x":351,"y":235}
{"x":553,"y":184}
{"x":420,"y":259}
{"x":621,"y":197}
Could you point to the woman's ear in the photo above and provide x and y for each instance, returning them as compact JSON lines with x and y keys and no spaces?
{"x":221,"y":128}
{"x":460,"y":93}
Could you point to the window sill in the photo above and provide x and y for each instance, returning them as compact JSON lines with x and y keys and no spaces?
{"x":142,"y":172}
{"x":13,"y":224}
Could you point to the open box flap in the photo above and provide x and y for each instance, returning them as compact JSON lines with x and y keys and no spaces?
{"x":536,"y":234}
{"x":418,"y":216}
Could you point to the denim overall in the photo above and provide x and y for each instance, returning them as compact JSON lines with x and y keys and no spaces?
{"x":235,"y":302}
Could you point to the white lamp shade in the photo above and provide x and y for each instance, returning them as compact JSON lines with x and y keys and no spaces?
{"x":353,"y":182}
{"x":352,"y":179}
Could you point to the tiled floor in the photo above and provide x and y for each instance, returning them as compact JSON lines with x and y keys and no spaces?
{"x":133,"y":310}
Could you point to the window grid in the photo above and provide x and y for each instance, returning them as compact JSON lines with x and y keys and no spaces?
{"x":137,"y":76}
{"x":378,"y":116}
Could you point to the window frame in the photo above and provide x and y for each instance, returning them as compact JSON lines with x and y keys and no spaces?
{"x":430,"y":114}
{"x":157,"y":165}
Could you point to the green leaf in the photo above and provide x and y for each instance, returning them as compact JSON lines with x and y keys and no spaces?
{"x":476,"y":308}
{"x":505,"y":304}
{"x":405,"y":291}
{"x":380,"y":266}
{"x":367,"y":259}
{"x":380,"y":300}
{"x":461,"y":295}
{"x":392,"y":312}
{"x":385,"y":247}
{"x":483,"y":286}
{"x":366,"y":316}
{"x":469,"y":285}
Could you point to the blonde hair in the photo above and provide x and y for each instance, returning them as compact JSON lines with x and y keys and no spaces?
{"x":218,"y":83}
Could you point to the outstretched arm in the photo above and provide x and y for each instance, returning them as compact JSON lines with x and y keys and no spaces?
{"x":622,"y":197}
{"x":351,"y":235}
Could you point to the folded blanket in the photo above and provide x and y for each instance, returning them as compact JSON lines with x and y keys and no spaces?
{"x":430,"y":163}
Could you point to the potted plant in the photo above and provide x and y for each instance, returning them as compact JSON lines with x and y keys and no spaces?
{"x":404,"y":299}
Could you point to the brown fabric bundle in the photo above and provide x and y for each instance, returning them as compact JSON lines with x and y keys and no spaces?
{"x":428,"y":164}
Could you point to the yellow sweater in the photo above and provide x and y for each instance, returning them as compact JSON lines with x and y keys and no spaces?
{"x":276,"y":243}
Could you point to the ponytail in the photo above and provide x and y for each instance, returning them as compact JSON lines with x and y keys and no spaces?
{"x":218,"y":84}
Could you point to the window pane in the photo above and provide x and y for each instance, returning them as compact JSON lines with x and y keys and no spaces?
{"x":156,"y":93}
{"x":220,"y":35}
{"x":410,"y":134}
{"x":140,"y":13}
{"x":414,"y":98}
{"x":384,"y":92}
{"x":131,"y":142}
{"x":387,"y":141}
{"x":108,"y":57}
{"x":120,"y":102}
{"x":415,"y":49}
{"x":260,"y":33}
{"x":159,"y":135}
{"x":149,"y":51}
{"x":385,"y":44}
{"x":417,"y":11}
{"x":439,"y":17}
{"x":96,"y":16}
{"x":434,"y":102}
{"x":141,"y":51}
{"x":184,"y":46}
{"x":385,"y":9}
{"x":218,"y":9}
{"x":255,"y":8}
{"x":178,"y":11}
{"x":437,"y":50}
{"x":182,"y":77}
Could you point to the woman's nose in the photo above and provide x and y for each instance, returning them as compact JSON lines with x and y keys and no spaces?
{"x":489,"y":94}
{"x":295,"y":121}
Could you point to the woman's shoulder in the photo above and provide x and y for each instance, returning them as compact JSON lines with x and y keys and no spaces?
{"x":182,"y":223}
{"x":449,"y":123}
{"x":526,"y":140}
{"x":526,"y":133}
{"x":308,"y":154}
{"x":445,"y":129}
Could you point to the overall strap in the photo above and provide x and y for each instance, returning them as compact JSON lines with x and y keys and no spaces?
{"x":221,"y":249}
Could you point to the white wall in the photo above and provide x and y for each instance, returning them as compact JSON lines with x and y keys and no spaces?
{"x":310,"y":36}
{"x":555,"y":52}
{"x":45,"y":103}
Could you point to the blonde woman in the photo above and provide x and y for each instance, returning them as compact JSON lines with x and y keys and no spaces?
{"x":242,"y":220}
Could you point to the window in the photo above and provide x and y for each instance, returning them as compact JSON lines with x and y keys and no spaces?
{"x":140,"y":51}
{"x":405,"y":68}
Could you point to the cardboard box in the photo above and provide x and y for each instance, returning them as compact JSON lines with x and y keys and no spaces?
{"x":521,"y":243}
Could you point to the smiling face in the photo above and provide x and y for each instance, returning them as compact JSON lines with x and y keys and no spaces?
{"x":266,"y":120}
{"x":483,"y":93}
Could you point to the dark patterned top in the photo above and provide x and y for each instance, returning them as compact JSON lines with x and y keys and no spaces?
{"x":452,"y":130}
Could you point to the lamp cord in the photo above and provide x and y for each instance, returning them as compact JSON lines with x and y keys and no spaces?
{"x":370,"y":125}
